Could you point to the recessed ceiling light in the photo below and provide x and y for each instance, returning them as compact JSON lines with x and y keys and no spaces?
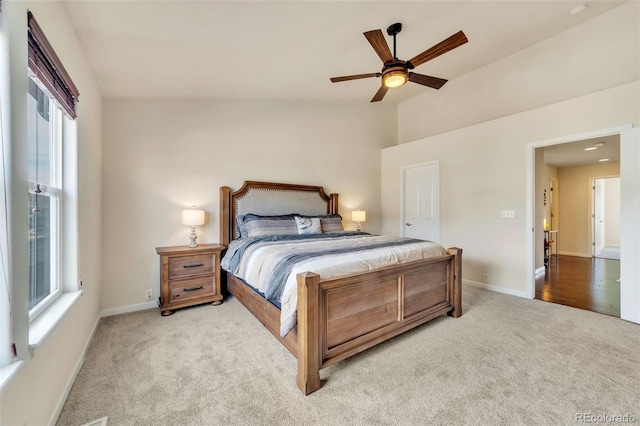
{"x":591,"y":148}
{"x":602,"y":160}
{"x":578,"y":9}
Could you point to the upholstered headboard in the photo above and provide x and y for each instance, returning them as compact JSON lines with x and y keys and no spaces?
{"x":265,"y":198}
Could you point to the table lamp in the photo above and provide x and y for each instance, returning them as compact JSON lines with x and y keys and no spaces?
{"x":358,"y":216}
{"x":193,"y":217}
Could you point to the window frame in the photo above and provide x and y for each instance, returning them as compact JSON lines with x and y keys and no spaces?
{"x":49,"y":74}
{"x":28,"y":336}
{"x":54,"y":190}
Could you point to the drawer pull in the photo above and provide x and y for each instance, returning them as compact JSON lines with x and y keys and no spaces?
{"x":193,"y":265}
{"x":186,"y":290}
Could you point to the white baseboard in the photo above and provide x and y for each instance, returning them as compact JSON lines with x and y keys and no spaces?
{"x":130,"y":308}
{"x":497,"y":289}
{"x":540,"y":271}
{"x":568,"y":253}
{"x":63,"y":397}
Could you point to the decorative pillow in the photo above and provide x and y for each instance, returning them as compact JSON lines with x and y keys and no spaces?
{"x":331,"y":223}
{"x":257,"y":226}
{"x":241,"y":231}
{"x":308,"y":225}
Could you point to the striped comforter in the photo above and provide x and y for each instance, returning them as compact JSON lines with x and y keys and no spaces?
{"x":270,"y":263}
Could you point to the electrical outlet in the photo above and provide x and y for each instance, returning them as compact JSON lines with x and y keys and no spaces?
{"x":485,"y":278}
{"x":149,"y":294}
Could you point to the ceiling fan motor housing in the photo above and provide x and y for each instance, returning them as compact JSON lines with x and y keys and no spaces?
{"x":394,"y":74}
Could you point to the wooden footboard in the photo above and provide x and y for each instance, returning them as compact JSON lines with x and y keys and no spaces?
{"x":342,"y":317}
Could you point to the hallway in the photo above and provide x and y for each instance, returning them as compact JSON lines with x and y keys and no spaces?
{"x":581,"y":282}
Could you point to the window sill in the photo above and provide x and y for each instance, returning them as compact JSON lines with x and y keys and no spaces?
{"x":6,"y":373}
{"x":42,"y":326}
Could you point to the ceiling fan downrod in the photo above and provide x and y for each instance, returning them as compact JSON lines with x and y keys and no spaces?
{"x":393,"y":30}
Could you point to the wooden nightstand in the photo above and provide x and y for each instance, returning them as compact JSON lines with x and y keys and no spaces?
{"x":189,"y":276}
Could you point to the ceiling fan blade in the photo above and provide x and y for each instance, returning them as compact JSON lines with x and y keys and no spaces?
{"x":380,"y":93}
{"x":353,"y":77}
{"x":379,"y":44}
{"x":427,"y":80}
{"x":456,"y":40}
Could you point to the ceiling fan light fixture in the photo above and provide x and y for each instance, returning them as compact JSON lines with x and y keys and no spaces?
{"x":394,"y":78}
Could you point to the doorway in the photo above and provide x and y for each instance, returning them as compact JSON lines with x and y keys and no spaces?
{"x":590,"y":207}
{"x":606,"y":218}
{"x":630,"y":185}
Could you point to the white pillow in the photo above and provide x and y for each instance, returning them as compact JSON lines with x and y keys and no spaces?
{"x":308,"y":225}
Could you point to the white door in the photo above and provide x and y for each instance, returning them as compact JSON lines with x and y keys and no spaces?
{"x":421,"y":201}
{"x":598,"y":216}
{"x":630,"y":225}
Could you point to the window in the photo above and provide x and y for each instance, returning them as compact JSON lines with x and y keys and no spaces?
{"x":48,"y":269}
{"x":51,"y":106}
{"x":44,"y":140}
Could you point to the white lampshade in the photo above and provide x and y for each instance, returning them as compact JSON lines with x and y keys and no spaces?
{"x":358,"y":215}
{"x":193,"y":217}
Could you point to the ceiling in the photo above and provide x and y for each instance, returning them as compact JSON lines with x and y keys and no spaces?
{"x":573,"y":154}
{"x":287,"y":50}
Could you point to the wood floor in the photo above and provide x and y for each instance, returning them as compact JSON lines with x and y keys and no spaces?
{"x":582,"y":282}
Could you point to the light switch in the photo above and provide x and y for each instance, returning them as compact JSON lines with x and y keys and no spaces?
{"x":509,"y":213}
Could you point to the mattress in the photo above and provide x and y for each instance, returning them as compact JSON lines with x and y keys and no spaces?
{"x":270,"y":264}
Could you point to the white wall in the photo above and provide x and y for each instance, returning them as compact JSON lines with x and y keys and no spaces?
{"x":595,"y":55}
{"x":612,"y":212}
{"x":36,"y":392}
{"x":161,"y":156}
{"x":483,"y":170}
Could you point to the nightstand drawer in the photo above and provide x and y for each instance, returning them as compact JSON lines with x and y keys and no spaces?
{"x":183,"y":290}
{"x":189,"y":266}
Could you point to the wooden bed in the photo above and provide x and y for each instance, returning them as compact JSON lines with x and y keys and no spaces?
{"x":340,"y":317}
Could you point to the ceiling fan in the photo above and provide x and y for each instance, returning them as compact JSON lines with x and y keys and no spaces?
{"x":396,"y":72}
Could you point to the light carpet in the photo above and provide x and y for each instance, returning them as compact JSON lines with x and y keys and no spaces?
{"x":506,"y":361}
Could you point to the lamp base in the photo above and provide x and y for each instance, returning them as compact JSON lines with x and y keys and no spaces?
{"x":358,"y":227}
{"x":193,"y":237}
